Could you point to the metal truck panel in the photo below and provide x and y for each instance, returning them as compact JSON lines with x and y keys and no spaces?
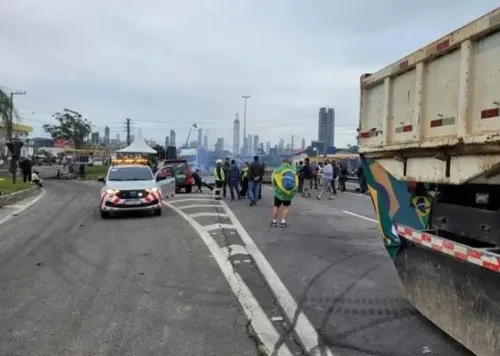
{"x":439,"y":103}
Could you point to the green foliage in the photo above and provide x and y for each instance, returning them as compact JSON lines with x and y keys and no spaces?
{"x":6,"y":105}
{"x":71,"y":126}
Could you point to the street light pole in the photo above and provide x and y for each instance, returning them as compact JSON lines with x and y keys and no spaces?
{"x":245,"y":149}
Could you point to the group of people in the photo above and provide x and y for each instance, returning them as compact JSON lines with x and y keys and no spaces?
{"x":29,"y":175}
{"x":287,"y":180}
{"x":242,"y":183}
{"x":309,"y":176}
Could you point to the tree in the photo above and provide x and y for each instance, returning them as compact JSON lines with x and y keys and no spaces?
{"x":8,"y":113}
{"x":71,"y":126}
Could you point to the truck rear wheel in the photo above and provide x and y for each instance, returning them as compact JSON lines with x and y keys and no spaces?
{"x":189,"y":189}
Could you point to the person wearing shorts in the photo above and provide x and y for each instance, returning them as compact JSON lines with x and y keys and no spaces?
{"x":285,"y":185}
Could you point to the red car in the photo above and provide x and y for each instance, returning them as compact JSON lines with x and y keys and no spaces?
{"x":181,"y":172}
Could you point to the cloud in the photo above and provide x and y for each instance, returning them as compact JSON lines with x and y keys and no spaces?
{"x":167,"y":64}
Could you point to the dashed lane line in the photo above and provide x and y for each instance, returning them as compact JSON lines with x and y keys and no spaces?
{"x":359,"y":216}
{"x":260,"y":323}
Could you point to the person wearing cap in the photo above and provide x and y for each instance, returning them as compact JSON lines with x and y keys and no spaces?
{"x":219,"y":179}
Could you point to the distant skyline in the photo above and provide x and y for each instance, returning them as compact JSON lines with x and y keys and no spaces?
{"x":169,"y":64}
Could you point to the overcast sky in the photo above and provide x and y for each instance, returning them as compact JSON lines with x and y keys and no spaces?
{"x":168,"y":64}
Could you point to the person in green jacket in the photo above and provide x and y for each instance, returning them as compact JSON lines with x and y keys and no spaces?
{"x":285,"y":185}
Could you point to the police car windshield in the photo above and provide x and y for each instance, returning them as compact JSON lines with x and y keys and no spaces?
{"x":130,"y":173}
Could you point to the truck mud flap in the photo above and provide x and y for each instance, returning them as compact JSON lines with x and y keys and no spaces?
{"x":461,"y":298}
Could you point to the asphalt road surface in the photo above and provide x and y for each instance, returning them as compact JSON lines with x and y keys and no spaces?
{"x":206,"y":278}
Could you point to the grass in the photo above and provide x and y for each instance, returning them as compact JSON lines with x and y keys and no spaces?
{"x":95,"y":171}
{"x":6,"y":185}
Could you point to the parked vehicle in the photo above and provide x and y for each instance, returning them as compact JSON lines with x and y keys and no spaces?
{"x":430,"y":148}
{"x":181,"y":172}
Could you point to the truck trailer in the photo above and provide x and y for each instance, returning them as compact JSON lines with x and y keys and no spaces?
{"x":429,"y":141}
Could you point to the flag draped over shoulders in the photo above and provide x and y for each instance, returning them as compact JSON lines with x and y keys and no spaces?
{"x":285,"y":181}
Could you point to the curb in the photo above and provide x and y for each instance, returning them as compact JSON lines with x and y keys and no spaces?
{"x":13,"y":198}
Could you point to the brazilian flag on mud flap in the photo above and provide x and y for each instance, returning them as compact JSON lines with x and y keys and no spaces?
{"x":285,"y":182}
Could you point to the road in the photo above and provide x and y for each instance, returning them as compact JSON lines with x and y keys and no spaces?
{"x":206,"y":278}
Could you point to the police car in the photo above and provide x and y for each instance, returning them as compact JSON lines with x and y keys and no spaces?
{"x":133,"y":187}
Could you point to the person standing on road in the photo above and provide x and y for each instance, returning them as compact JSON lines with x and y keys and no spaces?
{"x":244,"y":180}
{"x":307,"y":176}
{"x":260,"y":185}
{"x":342,"y":176}
{"x":225,"y":167}
{"x":234,"y":179}
{"x":334,"y":177}
{"x":255,"y":175}
{"x":301,"y":176}
{"x":285,"y":186}
{"x":219,"y":179}
{"x":327,"y":180}
{"x":314,"y":176}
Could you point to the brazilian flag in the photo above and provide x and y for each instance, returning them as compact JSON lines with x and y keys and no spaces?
{"x":285,"y":182}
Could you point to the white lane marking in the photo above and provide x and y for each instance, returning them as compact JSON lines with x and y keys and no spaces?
{"x":237,"y":250}
{"x":309,"y":338}
{"x":22,"y":208}
{"x":356,"y":194}
{"x":359,"y":216}
{"x":262,"y":326}
{"x":199,"y":206}
{"x":212,"y":227}
{"x":194,"y":199}
{"x":13,"y":206}
{"x":194,"y":195}
{"x":203,"y":213}
{"x":276,"y":318}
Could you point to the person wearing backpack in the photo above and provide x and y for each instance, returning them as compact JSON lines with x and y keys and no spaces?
{"x":285,"y":185}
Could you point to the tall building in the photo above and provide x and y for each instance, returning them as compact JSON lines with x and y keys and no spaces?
{"x":261,"y":147}
{"x":303,"y":146}
{"x":268,"y":147}
{"x":236,"y":135}
{"x":106,"y":135}
{"x":172,"y":138}
{"x":249,"y":145}
{"x":326,"y":126}
{"x":255,"y":143}
{"x":167,"y":141}
{"x":200,"y":136}
{"x":281,"y":145}
{"x":219,"y":145}
{"x":205,"y":142}
{"x":94,"y":138}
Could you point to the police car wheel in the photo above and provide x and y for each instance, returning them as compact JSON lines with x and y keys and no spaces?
{"x":157,"y":212}
{"x":104,"y":214}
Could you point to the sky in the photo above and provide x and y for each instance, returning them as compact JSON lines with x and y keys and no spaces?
{"x":168,"y":64}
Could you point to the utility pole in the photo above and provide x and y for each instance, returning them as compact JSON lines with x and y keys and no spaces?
{"x":245,"y":148}
{"x":291,"y":149}
{"x":127,"y":123}
{"x":10,"y":120}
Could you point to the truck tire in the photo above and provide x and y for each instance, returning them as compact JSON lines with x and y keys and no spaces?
{"x":189,"y":189}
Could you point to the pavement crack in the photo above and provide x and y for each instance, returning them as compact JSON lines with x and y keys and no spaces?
{"x":259,"y":346}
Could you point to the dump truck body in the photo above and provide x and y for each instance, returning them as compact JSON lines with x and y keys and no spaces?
{"x":429,"y":139}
